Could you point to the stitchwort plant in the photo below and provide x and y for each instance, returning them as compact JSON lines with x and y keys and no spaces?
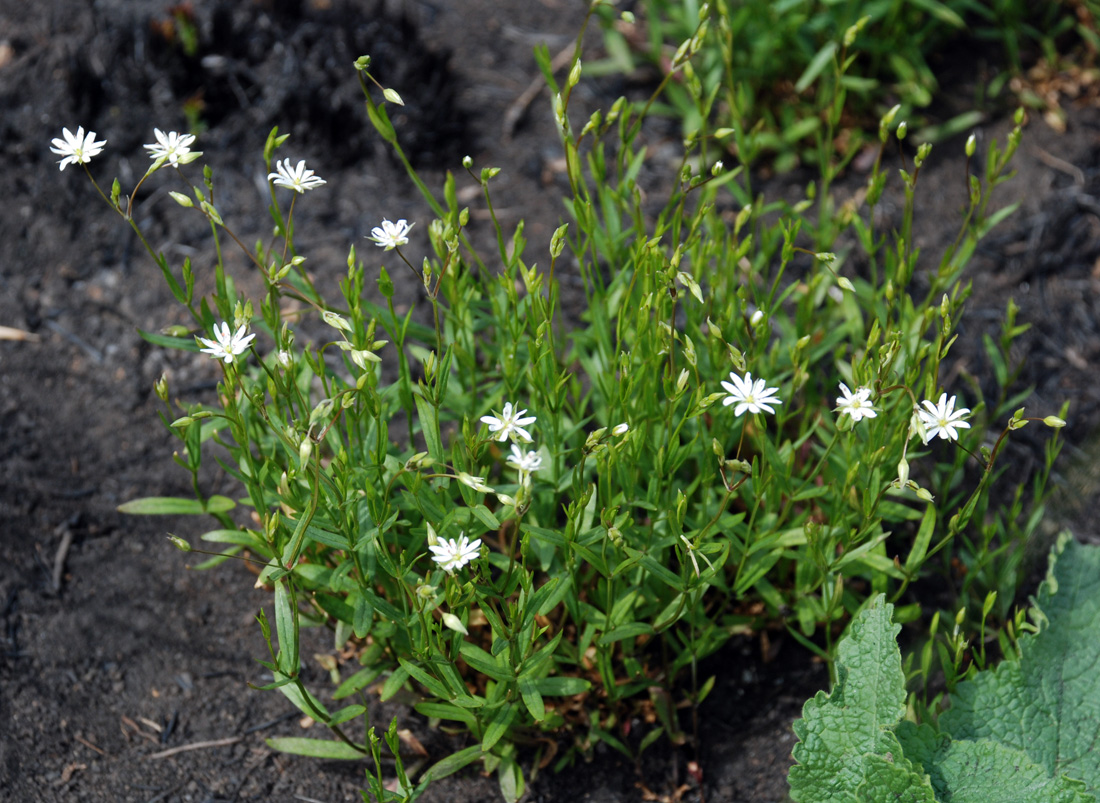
{"x":540,"y":523}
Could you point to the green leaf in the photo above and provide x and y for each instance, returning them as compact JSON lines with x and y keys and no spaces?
{"x":356,"y":682}
{"x":182,"y":343}
{"x":528,"y":689}
{"x":447,"y":711}
{"x":429,"y":425}
{"x":1047,"y":703}
{"x":815,"y":67}
{"x":346,"y":713}
{"x":511,"y":780}
{"x":454,"y":762}
{"x":176,"y":506}
{"x":286,"y":625}
{"x":965,"y":771}
{"x":632,"y":630}
{"x":316,"y":748}
{"x":562,"y":686}
{"x":897,"y":782}
{"x":499,"y":722}
{"x":432,"y":684}
{"x":853,"y":720}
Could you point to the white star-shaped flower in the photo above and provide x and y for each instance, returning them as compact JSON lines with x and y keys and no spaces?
{"x":857,"y":405}
{"x":173,"y":147}
{"x":524,"y":462}
{"x":942,"y":418}
{"x":749,"y":395}
{"x":390,"y":235}
{"x":226,"y":346}
{"x":510,"y":424}
{"x":77,"y":149}
{"x":452,"y":555}
{"x":297,"y":178}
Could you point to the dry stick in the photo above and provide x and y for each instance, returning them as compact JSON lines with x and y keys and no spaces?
{"x":195,"y":746}
{"x":519,"y":106}
{"x":88,"y":744}
{"x":59,"y":557}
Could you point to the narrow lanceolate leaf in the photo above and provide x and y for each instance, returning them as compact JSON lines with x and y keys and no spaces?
{"x":838,"y":729}
{"x":1047,"y":703}
{"x":175,"y":506}
{"x":316,"y":748}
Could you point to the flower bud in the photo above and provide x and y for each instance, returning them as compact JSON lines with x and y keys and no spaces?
{"x":392,"y":96}
{"x":467,"y":162}
{"x":433,"y":539}
{"x":923,"y":494}
{"x":716,"y":168}
{"x":161,"y":388}
{"x":681,"y":381}
{"x":971,"y":145}
{"x":903,"y":129}
{"x":844,"y":284}
{"x":455,"y":624}
{"x":181,"y":199}
{"x":179,"y":543}
{"x":305,"y":450}
{"x":1054,"y":421}
{"x":903,"y":472}
{"x":574,"y":74}
{"x":756,"y":318}
{"x":623,"y":428}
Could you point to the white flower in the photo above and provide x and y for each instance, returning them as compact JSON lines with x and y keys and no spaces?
{"x":510,"y":424}
{"x":857,"y":405}
{"x":524,"y":463}
{"x":226,"y":346}
{"x":477,"y":483}
{"x":749,"y":395}
{"x":297,"y":178}
{"x":390,"y":235}
{"x":78,"y":149}
{"x":172,"y":147}
{"x":452,"y":555}
{"x":942,"y":418}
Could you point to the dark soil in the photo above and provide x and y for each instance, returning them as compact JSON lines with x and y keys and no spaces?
{"x":110,"y":649}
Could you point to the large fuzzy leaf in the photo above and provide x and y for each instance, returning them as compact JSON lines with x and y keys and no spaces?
{"x":854,"y":720}
{"x":1047,"y":703}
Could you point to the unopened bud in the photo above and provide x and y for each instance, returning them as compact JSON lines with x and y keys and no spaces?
{"x":903,"y":473}
{"x":455,"y":624}
{"x":756,"y":318}
{"x":844,"y":284}
{"x":181,"y":199}
{"x":716,"y":169}
{"x":305,"y":450}
{"x":392,"y":96}
{"x":622,"y":429}
{"x":903,"y":129}
{"x":179,"y":543}
{"x":1054,"y":421}
{"x":161,"y":388}
{"x":971,"y":145}
{"x":575,"y":74}
{"x":923,"y":494}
